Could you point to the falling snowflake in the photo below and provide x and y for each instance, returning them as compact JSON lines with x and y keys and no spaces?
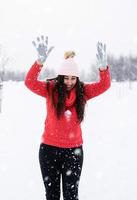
{"x":77,"y":151}
{"x":68,"y":114}
{"x":68,"y":173}
{"x":49,"y":184}
{"x":58,"y":172}
{"x":46,"y":178}
{"x":71,"y":135}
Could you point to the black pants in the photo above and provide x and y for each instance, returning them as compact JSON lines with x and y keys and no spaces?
{"x":58,"y":162}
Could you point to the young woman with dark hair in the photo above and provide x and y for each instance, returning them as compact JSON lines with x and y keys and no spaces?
{"x":61,"y":147}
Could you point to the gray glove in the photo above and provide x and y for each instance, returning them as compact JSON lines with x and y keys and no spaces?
{"x":101,"y":56}
{"x":41,"y":46}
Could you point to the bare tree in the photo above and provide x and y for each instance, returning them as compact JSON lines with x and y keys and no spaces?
{"x":3,"y":62}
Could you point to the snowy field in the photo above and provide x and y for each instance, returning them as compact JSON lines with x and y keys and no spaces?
{"x":110,"y":144}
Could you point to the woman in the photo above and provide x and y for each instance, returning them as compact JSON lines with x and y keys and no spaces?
{"x":61,"y":152}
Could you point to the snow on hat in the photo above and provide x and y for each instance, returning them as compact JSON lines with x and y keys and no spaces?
{"x":69,"y":67}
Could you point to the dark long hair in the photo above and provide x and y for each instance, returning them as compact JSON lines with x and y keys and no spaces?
{"x":60,"y":89}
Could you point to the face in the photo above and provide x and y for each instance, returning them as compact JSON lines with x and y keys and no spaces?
{"x":70,"y":81}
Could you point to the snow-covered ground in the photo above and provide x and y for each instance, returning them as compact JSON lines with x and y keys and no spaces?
{"x":110,"y":144}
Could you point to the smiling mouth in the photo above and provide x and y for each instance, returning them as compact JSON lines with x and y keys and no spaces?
{"x":69,"y":87}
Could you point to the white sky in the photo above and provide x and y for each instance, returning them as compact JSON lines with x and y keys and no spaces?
{"x":71,"y":25}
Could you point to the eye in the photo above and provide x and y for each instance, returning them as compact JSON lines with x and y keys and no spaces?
{"x":73,"y":78}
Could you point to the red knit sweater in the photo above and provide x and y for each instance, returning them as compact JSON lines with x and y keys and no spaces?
{"x":66,"y":131}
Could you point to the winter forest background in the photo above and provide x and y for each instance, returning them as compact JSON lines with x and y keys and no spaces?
{"x":109,"y":128}
{"x":123,"y":68}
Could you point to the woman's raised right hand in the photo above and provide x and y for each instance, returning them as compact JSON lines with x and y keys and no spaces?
{"x":41,"y":46}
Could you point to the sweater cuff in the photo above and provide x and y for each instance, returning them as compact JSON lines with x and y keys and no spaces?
{"x":102,"y":70}
{"x":38,"y":63}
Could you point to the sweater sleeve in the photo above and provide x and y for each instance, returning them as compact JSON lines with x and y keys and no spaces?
{"x":32,"y":82}
{"x":94,"y":89}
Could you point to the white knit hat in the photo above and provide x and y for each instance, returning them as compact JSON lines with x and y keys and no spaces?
{"x":69,"y":68}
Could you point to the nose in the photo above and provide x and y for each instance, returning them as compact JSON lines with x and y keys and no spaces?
{"x":69,"y":82}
